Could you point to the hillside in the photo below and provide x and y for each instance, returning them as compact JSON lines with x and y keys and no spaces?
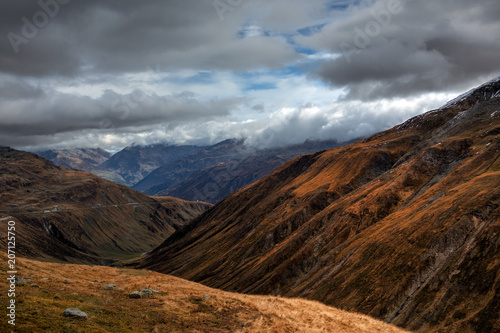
{"x":68,"y":215}
{"x":179,"y":306}
{"x":402,"y":226}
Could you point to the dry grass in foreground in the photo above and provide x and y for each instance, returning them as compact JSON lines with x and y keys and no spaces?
{"x":181,"y":306}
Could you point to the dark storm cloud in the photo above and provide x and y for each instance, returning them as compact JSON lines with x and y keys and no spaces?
{"x":416,"y":47}
{"x":127,"y":36}
{"x":16,"y":89}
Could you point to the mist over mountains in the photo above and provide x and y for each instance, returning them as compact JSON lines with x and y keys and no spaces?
{"x":193,"y":173}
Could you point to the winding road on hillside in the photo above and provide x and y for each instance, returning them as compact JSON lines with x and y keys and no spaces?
{"x":59,"y":210}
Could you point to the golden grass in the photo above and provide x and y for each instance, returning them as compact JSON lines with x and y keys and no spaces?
{"x":179,"y":307}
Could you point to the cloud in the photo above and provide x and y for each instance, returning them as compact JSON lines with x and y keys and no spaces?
{"x":341,"y":120}
{"x":31,"y":115}
{"x":415,"y":48}
{"x":128,"y":36}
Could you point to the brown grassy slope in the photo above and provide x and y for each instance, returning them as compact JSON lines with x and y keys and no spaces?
{"x":402,"y":226}
{"x":180,"y":307}
{"x":66,"y":215}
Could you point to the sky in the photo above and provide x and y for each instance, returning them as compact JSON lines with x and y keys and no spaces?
{"x":111,"y":73}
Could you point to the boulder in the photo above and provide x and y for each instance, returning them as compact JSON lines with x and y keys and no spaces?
{"x":135,"y":294}
{"x":110,"y":287}
{"x":20,"y":281}
{"x":75,"y":313}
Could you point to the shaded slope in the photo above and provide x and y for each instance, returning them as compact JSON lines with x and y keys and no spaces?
{"x":215,"y":182}
{"x":402,"y":226}
{"x":136,"y":162}
{"x":176,"y":171}
{"x":180,"y":306}
{"x":69,"y":215}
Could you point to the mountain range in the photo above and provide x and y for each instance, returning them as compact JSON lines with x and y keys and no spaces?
{"x":192,"y":173}
{"x":220,"y":170}
{"x":403,"y":226}
{"x":127,"y":167}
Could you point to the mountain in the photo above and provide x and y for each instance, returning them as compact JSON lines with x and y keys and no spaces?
{"x":134,"y":163}
{"x":188,"y":172}
{"x":68,"y":215}
{"x":126,"y":167}
{"x":176,"y":306}
{"x":176,"y":171}
{"x":215,"y":182}
{"x":403,"y":226}
{"x":85,"y":159}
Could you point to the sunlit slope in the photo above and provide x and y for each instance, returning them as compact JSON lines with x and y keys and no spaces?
{"x":179,"y":306}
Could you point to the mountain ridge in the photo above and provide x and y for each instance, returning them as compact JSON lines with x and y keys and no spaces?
{"x":85,"y":159}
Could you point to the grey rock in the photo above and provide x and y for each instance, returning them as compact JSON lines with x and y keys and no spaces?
{"x":206,"y":297}
{"x":135,"y":294}
{"x":110,"y":287}
{"x":66,"y":282}
{"x":20,"y":281}
{"x":75,"y":313}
